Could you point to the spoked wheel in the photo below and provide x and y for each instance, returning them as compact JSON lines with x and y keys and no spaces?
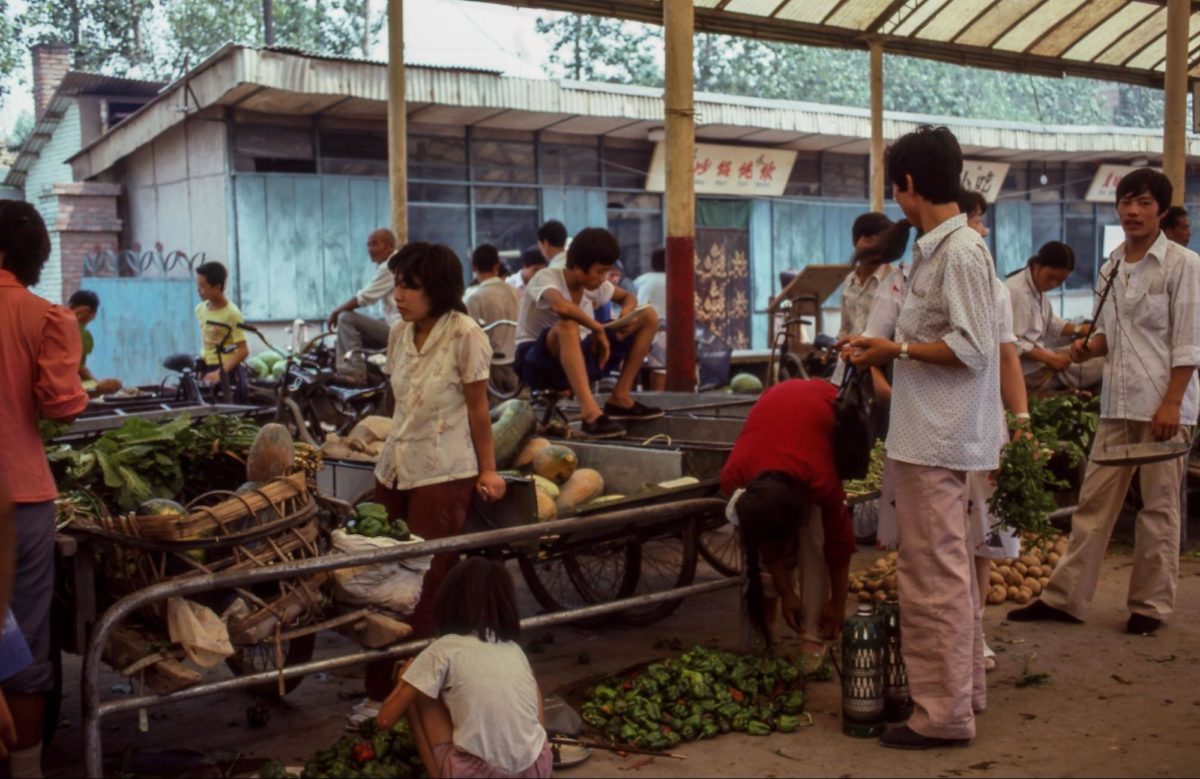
{"x":261,"y":657}
{"x":576,"y":579}
{"x":721,"y":547}
{"x":667,"y":563}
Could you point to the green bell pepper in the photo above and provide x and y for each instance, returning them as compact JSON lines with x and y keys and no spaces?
{"x":758,"y":728}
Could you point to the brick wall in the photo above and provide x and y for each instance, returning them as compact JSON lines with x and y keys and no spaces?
{"x":87,"y":222}
{"x":51,"y":61}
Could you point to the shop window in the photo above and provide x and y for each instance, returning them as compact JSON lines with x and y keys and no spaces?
{"x":502,"y":160}
{"x":424,"y":192}
{"x":569,"y":165}
{"x":441,"y":224}
{"x":273,"y":149}
{"x":1046,"y":223}
{"x":1078,"y":181}
{"x":1080,"y":235}
{"x":639,"y":233}
{"x":506,"y":228}
{"x":1051,"y":191}
{"x":1015,"y":183}
{"x":805,"y":180}
{"x":843,"y":176}
{"x":506,"y":196}
{"x":351,"y":167}
{"x":625,"y":167}
{"x":437,"y":158}
{"x":640,"y":201}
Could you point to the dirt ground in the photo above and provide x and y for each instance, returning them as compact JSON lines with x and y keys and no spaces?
{"x":1113,"y":704}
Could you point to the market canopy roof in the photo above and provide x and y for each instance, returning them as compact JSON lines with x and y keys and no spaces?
{"x":1111,"y":40}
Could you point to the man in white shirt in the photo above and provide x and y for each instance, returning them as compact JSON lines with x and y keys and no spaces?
{"x":1149,"y":334}
{"x":1177,"y":226}
{"x":358,"y":331}
{"x":651,"y":287}
{"x":532,"y":261}
{"x":491,"y":301}
{"x":552,"y":241}
{"x":560,"y":344}
{"x":943,"y":425}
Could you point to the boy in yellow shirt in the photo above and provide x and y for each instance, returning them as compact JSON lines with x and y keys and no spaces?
{"x":215,"y":307}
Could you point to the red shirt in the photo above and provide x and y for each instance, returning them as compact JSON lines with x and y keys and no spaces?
{"x":790,"y":429}
{"x":40,"y":351}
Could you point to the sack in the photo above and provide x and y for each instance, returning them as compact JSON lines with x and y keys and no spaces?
{"x":854,"y":423}
{"x":201,"y":633}
{"x":395,"y":586}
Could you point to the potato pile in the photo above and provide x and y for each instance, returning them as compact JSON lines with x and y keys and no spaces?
{"x":364,"y":443}
{"x":1017,"y":580}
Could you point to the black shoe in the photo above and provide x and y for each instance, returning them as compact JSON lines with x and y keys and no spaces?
{"x":601,"y":427}
{"x":907,"y":738}
{"x":636,"y":411}
{"x":1141,"y":625}
{"x":1039,"y":611}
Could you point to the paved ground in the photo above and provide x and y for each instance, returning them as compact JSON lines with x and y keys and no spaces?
{"x":1114,"y":705}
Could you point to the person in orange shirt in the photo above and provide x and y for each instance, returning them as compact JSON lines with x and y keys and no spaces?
{"x":40,"y":350}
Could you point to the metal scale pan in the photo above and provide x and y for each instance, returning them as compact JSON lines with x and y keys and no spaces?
{"x":1141,"y":454}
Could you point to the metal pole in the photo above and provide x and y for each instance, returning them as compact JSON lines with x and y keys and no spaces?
{"x":1175,"y":98}
{"x":876,"y":125}
{"x":397,"y":123}
{"x":678,"y":25}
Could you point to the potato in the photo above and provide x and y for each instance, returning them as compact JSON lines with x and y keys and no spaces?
{"x":890,"y":582}
{"x":1053,"y":558}
{"x":1013,"y":578}
{"x":1023,"y":596}
{"x":880,"y":596}
{"x":1028,"y":560}
{"x":1021,"y":568}
{"x":864,"y":597}
{"x":996,"y":595}
{"x":1035,"y":571}
{"x":995,"y":578}
{"x":1012,"y":592}
{"x":1033,"y":585}
{"x":872,"y":585}
{"x":882,"y":564}
{"x":1003,"y":569}
{"x":1044,"y":581}
{"x":855,"y":585}
{"x":893,"y":556}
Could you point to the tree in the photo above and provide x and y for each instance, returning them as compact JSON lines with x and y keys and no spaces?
{"x":106,"y":36}
{"x":10,"y":47}
{"x":592,"y":48}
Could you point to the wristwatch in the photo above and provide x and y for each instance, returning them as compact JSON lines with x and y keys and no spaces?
{"x":903,"y":351}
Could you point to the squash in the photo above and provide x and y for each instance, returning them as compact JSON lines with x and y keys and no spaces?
{"x":546,"y":510}
{"x":746,"y":384}
{"x":542,"y":484}
{"x":515,"y":423}
{"x":584,"y":485}
{"x":531,"y":447}
{"x":600,"y":501}
{"x":557,"y":463}
{"x":271,"y":455}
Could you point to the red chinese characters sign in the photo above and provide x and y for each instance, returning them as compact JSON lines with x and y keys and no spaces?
{"x":747,"y":171}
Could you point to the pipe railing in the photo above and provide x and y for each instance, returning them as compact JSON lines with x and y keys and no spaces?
{"x":94,"y":709}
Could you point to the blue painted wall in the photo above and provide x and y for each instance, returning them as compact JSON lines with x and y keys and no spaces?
{"x":140,"y":323}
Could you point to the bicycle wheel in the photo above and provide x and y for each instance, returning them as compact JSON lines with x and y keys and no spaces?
{"x":667,"y":562}
{"x":261,"y":657}
{"x":721,"y":547}
{"x":572,"y":580}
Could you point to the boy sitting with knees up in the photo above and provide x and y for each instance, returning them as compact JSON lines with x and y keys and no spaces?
{"x":560,"y":344}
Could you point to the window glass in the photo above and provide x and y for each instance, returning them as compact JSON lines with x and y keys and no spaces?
{"x":506,"y":196}
{"x":647,"y":201}
{"x":843,"y":176}
{"x":422,"y":192}
{"x":625,"y":167}
{"x":1015,"y":183}
{"x":1080,"y":235}
{"x":353,"y":145}
{"x":805,"y":180}
{"x":441,"y":224}
{"x":506,"y":228}
{"x":439,"y":158}
{"x":499,"y":160}
{"x":1052,"y":190}
{"x":351,"y":167}
{"x":274,"y":141}
{"x":571,"y":165}
{"x":638,"y":233}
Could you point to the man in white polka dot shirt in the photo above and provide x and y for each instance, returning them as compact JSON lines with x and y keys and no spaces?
{"x":945,"y":402}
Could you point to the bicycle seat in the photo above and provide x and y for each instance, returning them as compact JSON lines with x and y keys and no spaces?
{"x":180,"y":362}
{"x":350,"y":394}
{"x":824,"y":341}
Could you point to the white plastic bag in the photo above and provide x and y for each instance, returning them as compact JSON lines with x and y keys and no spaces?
{"x":393,"y":586}
{"x":203,"y":635}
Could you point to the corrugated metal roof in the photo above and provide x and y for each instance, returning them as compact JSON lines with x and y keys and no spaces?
{"x":74,"y":84}
{"x":1112,"y":40}
{"x":285,"y":82}
{"x":368,"y":60}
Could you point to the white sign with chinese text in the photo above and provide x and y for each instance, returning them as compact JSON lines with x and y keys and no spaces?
{"x":744,"y":171}
{"x":1104,"y":183}
{"x":986,"y":178}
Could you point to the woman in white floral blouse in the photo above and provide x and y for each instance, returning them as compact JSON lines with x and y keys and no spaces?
{"x":439,"y":452}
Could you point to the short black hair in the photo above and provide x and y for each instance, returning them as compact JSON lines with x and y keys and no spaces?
{"x":532,"y":257}
{"x":214,"y":273}
{"x":477,"y":598}
{"x":554,"y":233}
{"x":434,"y":268}
{"x":84,"y":297}
{"x":485,"y":258}
{"x":969,"y":200}
{"x":932,"y":156}
{"x":869,"y":224}
{"x":1173,"y":215}
{"x":1054,"y":254}
{"x":24,"y":241}
{"x":658,"y":260}
{"x":593,"y":246}
{"x":1146,"y":180}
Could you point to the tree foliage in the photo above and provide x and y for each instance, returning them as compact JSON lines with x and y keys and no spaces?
{"x":593,"y":48}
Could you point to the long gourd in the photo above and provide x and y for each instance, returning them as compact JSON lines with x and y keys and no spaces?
{"x":515,"y":422}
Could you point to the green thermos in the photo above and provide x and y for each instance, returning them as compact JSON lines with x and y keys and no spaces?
{"x":862,"y":672}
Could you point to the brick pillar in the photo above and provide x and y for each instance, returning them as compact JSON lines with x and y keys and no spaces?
{"x":51,"y":61}
{"x":87,"y":222}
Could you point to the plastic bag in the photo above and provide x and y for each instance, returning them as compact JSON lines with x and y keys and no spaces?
{"x":203,"y":635}
{"x":394,"y":586}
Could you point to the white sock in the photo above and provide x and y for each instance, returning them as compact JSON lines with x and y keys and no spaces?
{"x":26,"y":763}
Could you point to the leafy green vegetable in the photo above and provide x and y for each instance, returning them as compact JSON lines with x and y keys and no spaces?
{"x":1024,"y":496}
{"x":874,"y":478}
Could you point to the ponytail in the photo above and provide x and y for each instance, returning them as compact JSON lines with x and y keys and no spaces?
{"x":889,"y":247}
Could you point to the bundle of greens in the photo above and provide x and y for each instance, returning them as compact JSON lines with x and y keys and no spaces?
{"x":372,"y":753}
{"x":874,"y":478}
{"x":701,"y":695}
{"x":1065,"y":423}
{"x":1024,"y":496}
{"x":371,"y":520}
{"x":218,"y":433}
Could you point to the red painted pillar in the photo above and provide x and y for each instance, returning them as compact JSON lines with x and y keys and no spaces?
{"x":678,"y":26}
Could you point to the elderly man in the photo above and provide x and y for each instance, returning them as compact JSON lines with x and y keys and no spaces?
{"x":358,"y":331}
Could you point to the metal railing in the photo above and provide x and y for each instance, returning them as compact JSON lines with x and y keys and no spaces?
{"x":94,"y":709}
{"x":136,"y":263}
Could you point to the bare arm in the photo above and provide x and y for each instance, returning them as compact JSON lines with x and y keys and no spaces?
{"x":1165,"y":423}
{"x":881,"y":351}
{"x":625,"y":299}
{"x":489,"y":484}
{"x":349,"y":305}
{"x":566,"y":309}
{"x":396,"y":704}
{"x":1012,"y":381}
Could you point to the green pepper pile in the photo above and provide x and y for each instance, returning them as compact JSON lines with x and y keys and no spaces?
{"x":371,"y":520}
{"x":372,"y":753}
{"x":705,"y":693}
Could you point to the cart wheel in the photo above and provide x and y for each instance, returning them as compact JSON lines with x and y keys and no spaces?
{"x":577,"y":579}
{"x":721,"y":547}
{"x":667,"y":562}
{"x":261,"y":657}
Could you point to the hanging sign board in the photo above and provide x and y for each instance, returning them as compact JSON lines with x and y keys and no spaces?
{"x":986,"y":178}
{"x":744,"y":171}
{"x":1104,"y":183}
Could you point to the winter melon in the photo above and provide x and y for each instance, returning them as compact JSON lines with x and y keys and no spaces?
{"x":543,"y":484}
{"x":555,"y":463}
{"x":746,"y":384}
{"x":531,"y":448}
{"x":546,"y":509}
{"x":514,"y":424}
{"x":271,"y":455}
{"x":584,"y":485}
{"x":160,"y":507}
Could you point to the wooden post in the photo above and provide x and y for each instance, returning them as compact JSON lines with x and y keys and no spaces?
{"x":1175,"y":98}
{"x":397,"y":123}
{"x":678,"y":27}
{"x":877,"y":194}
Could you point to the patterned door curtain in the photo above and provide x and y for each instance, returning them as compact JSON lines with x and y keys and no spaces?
{"x":723,"y":284}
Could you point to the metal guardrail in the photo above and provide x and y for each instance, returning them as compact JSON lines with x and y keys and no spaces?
{"x":137,"y":263}
{"x":94,"y":709}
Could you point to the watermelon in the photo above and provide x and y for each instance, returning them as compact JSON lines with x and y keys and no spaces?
{"x":257,"y":366}
{"x":269,"y":358}
{"x":277,"y":369}
{"x":160,"y":507}
{"x":746,"y":384}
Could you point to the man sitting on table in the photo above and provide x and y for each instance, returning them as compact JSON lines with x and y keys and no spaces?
{"x":557,"y":312}
{"x":359,"y":331}
{"x":490,"y":301}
